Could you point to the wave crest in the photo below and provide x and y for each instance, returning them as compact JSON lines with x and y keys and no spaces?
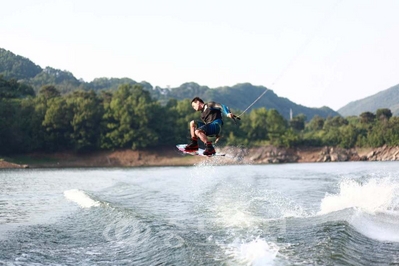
{"x":375,"y":195}
{"x":81,"y":198}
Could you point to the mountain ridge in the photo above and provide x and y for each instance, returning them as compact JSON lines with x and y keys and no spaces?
{"x":239,"y":96}
{"x":388,"y":98}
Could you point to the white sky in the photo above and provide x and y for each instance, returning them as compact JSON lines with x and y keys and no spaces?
{"x":314,"y":52}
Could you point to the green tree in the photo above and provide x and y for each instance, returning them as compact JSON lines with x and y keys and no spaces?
{"x":256,"y":126}
{"x":180,"y":114}
{"x":233,"y":133}
{"x":57,"y":123}
{"x":383,"y":114}
{"x":49,"y":91}
{"x":64,"y":80}
{"x":17,"y":126}
{"x":313,"y":138}
{"x":290,"y":138}
{"x":86,"y":121}
{"x":298,"y":122}
{"x":17,"y":67}
{"x":367,"y":117}
{"x":317,"y":123}
{"x":276,"y":126}
{"x":331,"y":137}
{"x":35,"y":110}
{"x":348,"y":136}
{"x":391,"y":133}
{"x":334,"y":122}
{"x":129,"y":117}
{"x":7,"y":116}
{"x":13,"y":89}
{"x":375,"y":139}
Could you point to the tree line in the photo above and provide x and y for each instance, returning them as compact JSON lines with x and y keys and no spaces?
{"x":131,"y":118}
{"x":27,"y":72}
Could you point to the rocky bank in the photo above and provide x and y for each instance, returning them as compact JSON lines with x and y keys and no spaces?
{"x":234,"y":155}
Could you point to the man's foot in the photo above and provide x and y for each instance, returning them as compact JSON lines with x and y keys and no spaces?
{"x":193,"y":146}
{"x":210,"y":150}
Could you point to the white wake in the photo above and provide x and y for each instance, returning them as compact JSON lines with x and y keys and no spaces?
{"x":375,"y":195}
{"x":81,"y":198}
{"x":376,"y":205}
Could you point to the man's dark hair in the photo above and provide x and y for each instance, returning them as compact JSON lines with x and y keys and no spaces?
{"x":197,"y":99}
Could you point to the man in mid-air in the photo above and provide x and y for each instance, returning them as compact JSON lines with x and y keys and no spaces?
{"x":211,"y":124}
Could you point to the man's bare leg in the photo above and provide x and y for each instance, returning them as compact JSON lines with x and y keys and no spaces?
{"x":194,"y":144}
{"x":193,"y":127}
{"x":201,"y":136}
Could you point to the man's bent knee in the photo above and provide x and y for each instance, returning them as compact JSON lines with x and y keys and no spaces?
{"x":199,"y":131}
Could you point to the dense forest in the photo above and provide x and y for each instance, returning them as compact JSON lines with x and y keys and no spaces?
{"x":240,"y":95}
{"x":129,"y":117}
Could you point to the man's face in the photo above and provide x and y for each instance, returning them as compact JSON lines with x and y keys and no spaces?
{"x":196,"y":105}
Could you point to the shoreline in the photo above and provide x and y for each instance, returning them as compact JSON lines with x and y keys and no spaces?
{"x":169,"y":156}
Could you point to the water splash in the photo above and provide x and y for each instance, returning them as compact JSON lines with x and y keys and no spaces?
{"x":382,"y":226}
{"x":255,"y":252}
{"x":81,"y":198}
{"x":373,"y":196}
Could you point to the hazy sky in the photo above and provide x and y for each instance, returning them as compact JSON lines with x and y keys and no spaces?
{"x":314,"y":52}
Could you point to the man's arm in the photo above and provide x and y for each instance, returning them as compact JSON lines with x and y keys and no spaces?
{"x":221,"y":107}
{"x":225,"y":109}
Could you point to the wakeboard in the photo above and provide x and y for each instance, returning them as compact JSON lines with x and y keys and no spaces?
{"x":199,"y":152}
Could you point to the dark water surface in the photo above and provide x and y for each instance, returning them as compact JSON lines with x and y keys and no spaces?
{"x":292,"y":214}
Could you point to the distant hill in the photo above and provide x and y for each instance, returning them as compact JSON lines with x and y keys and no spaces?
{"x":17,"y":67}
{"x":237,"y":97}
{"x":384,"y":99}
{"x":240,"y":96}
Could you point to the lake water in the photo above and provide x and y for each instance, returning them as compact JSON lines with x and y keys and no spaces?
{"x":207,"y":214}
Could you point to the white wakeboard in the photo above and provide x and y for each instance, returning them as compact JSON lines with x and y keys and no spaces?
{"x":199,"y":152}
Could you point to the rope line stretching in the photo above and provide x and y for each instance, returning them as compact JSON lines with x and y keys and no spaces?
{"x":300,"y":50}
{"x":254,"y":102}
